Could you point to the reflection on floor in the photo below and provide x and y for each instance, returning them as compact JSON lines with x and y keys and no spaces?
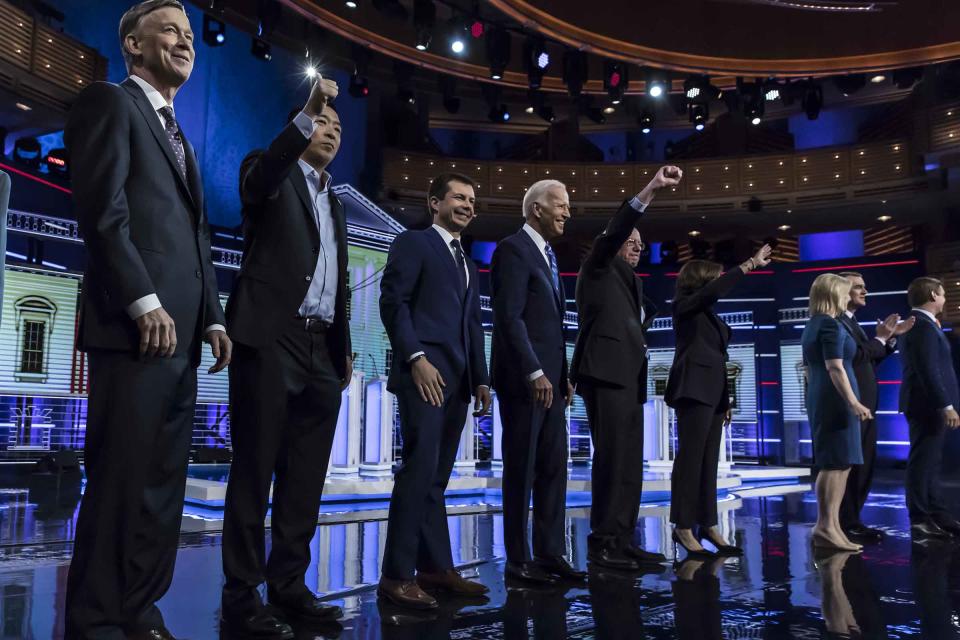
{"x":779,"y":589}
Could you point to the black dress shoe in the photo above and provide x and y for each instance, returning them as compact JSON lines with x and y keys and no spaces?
{"x":306,"y":606}
{"x":949,"y":525}
{"x":863,"y":533}
{"x":642,"y":555}
{"x":260,"y":625}
{"x":612,"y":559}
{"x":561,"y":568}
{"x":528,"y":572}
{"x":928,"y":530}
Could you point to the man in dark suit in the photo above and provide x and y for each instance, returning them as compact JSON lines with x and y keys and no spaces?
{"x":870,"y":353}
{"x":529,"y":372}
{"x":610,"y":370}
{"x":149,"y":299}
{"x":288,"y":317}
{"x":929,"y":398}
{"x":430,"y":307}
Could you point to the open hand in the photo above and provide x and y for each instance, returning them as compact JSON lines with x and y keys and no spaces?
{"x":222,"y":349}
{"x":428,"y":381}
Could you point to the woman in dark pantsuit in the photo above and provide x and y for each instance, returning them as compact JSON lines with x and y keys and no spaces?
{"x":833,"y":405}
{"x":697,"y":390}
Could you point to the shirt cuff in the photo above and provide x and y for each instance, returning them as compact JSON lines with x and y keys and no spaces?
{"x":882,"y":341}
{"x":416,"y":355}
{"x":536,"y":374}
{"x":143,"y":305}
{"x":215,"y":327}
{"x":949,"y":407}
{"x":305,"y":124}
{"x":637,"y":205}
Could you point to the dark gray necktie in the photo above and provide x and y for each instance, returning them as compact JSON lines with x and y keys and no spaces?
{"x":172,"y":130}
{"x":461,"y":262}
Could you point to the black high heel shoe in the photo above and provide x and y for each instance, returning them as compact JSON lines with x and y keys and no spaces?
{"x":722,"y":549}
{"x":691,"y":553}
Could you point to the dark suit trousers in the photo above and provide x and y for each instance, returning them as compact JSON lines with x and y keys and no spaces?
{"x":616,"y":427}
{"x":927,"y":433}
{"x":534,"y":461}
{"x":284,"y":403}
{"x":417,"y":534}
{"x":860,"y":478}
{"x":139,"y":425}
{"x":693,"y":492}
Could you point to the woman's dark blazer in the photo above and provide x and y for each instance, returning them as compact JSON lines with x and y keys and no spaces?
{"x":699,"y":371}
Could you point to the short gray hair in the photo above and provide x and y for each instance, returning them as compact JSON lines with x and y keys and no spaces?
{"x":130,"y":21}
{"x":536,"y":191}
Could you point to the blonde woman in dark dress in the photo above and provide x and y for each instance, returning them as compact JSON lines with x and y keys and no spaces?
{"x":833,"y":405}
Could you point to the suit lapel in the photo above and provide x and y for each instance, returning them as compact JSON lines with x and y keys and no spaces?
{"x":541,"y":262}
{"x":444,"y":252}
{"x":193,"y":176}
{"x":153,"y":123}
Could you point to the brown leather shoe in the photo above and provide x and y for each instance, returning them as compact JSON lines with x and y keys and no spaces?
{"x":405,"y":593}
{"x":452,"y":582}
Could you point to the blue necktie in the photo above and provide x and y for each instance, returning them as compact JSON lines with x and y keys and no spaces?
{"x":554,"y":271}
{"x":172,"y":129}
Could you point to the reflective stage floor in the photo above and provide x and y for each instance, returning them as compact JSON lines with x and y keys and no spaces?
{"x":781,"y":588}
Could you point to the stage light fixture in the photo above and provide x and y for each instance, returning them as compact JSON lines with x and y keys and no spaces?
{"x":752,"y":99}
{"x":57,"y":161}
{"x":499,"y":113}
{"x":772,"y":90}
{"x":26,"y":151}
{"x":424,"y":21}
{"x":269,"y":13}
{"x":850,"y":84}
{"x":698,"y":87}
{"x":403,"y":72}
{"x":359,"y":86}
{"x":657,"y":83}
{"x":609,"y":109}
{"x":351,"y":4}
{"x":530,"y":110}
{"x":448,"y":87}
{"x":477,"y":28}
{"x":698,"y":113}
{"x":646,"y":120}
{"x":812,"y":100}
{"x":906,"y":78}
{"x":574,"y":71}
{"x":546,"y":112}
{"x":595,"y":114}
{"x":535,"y":60}
{"x":498,"y":51}
{"x":878,"y":78}
{"x":885,"y":218}
{"x":214,"y":31}
{"x":615,"y":80}
{"x":261,"y":50}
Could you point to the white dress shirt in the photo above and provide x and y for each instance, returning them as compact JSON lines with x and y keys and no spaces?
{"x":932,"y":317}
{"x":447,"y":239}
{"x":320,"y":301}
{"x":151,"y":302}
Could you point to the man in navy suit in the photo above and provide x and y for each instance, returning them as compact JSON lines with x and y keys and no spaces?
{"x":929,"y":397}
{"x":529,"y":370}
{"x":430,"y":307}
{"x":149,"y":300}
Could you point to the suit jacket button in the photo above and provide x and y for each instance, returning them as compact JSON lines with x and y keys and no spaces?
{"x":197,"y":273}
{"x":308,"y":278}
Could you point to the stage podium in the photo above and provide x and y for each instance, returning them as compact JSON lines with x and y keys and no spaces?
{"x":345,"y":455}
{"x":380,"y":409}
{"x":660,"y":437}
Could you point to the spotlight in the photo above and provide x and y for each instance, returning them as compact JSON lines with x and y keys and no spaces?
{"x":499,"y":113}
{"x":885,"y":218}
{"x":753,"y":99}
{"x":772,"y":90}
{"x":57,"y":161}
{"x":615,"y":80}
{"x":424,"y":20}
{"x":530,"y":110}
{"x":574,"y":71}
{"x":261,"y":50}
{"x":878,"y":78}
{"x":351,"y":4}
{"x":477,"y":28}
{"x":498,"y":51}
{"x":546,"y":112}
{"x":699,"y":113}
{"x":214,"y":31}
{"x":812,"y":100}
{"x":448,"y":87}
{"x":535,"y":60}
{"x":26,"y":151}
{"x":849,"y":85}
{"x":310,"y":71}
{"x":646,"y":120}
{"x":595,"y":114}
{"x":656,"y":83}
{"x":699,"y":87}
{"x":609,"y":109}
{"x":457,"y":35}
